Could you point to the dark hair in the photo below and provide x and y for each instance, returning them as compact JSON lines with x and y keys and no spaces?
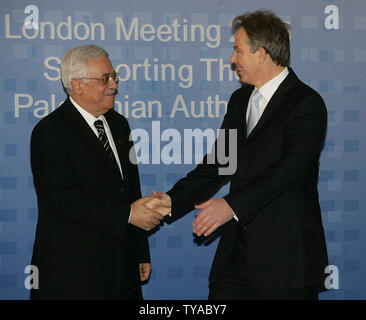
{"x":266,"y":30}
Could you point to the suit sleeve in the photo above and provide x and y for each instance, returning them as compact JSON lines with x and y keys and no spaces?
{"x":58,"y":189}
{"x":206,"y":179}
{"x":302,"y":143}
{"x":143,"y":254}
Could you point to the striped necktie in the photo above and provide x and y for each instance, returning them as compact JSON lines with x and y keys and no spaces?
{"x":104,"y":140}
{"x":254,"y":111}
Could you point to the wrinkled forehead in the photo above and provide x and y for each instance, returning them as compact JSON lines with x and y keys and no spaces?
{"x":101,"y":65}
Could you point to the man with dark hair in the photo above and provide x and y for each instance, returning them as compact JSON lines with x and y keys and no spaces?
{"x":90,"y":239}
{"x":272,"y":244}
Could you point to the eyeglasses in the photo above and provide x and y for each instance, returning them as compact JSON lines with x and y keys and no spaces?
{"x":106,"y":78}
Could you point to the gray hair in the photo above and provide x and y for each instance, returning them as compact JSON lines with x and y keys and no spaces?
{"x":264,"y":29}
{"x":73,"y":65}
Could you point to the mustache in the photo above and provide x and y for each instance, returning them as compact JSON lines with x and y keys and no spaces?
{"x":110,"y":92}
{"x":233,"y":66}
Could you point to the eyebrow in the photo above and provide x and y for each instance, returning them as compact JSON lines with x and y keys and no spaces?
{"x":107,"y":73}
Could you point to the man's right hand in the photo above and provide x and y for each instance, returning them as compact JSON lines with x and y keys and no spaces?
{"x":144,"y":217}
{"x":161,"y":203}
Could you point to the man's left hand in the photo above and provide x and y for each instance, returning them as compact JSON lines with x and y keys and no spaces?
{"x":214,"y":213}
{"x":145,"y":269}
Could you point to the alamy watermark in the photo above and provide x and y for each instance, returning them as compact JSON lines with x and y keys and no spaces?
{"x":31,"y":21}
{"x":32,"y":280}
{"x":169,"y":146}
{"x":332,"y":280}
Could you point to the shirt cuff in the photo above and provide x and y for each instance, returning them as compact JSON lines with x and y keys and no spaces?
{"x":235,"y":217}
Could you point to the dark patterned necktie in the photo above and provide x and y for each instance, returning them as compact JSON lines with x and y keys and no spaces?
{"x":104,"y":140}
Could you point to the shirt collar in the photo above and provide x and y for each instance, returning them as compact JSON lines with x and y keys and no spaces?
{"x":89,"y":118}
{"x":268,"y":89}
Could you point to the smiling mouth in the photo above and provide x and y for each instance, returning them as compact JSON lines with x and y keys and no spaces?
{"x":238,"y":71}
{"x":111,"y":92}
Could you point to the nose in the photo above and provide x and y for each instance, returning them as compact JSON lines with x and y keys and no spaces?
{"x":113,"y":83}
{"x":233,"y":58}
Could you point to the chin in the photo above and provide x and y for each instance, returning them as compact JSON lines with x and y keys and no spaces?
{"x":241,"y":78}
{"x":110,"y":103}
{"x":108,"y":107}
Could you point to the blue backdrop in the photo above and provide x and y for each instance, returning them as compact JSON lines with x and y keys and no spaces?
{"x":173,"y":57}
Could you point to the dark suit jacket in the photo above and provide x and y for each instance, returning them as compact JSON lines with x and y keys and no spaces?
{"x":279,"y":237}
{"x":84,"y":247}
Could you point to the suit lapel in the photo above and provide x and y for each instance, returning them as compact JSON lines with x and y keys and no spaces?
{"x":243,"y":107}
{"x":85,"y":135}
{"x":80,"y":127}
{"x":274,"y":102}
{"x":119,"y":138}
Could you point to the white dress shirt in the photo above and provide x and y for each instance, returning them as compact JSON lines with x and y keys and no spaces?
{"x":90,"y":119}
{"x":267,"y":91}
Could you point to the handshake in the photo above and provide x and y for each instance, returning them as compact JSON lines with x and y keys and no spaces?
{"x":147,"y":212}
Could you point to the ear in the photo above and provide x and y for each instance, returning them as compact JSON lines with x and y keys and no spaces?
{"x":261,"y":54}
{"x":77,"y":86}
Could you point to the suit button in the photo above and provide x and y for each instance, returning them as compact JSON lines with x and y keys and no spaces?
{"x":122,"y":189}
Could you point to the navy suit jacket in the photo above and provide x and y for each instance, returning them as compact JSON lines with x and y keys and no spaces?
{"x":84,"y":247}
{"x":273,"y":191}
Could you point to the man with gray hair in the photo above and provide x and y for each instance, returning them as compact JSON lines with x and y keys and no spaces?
{"x":91,"y":240}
